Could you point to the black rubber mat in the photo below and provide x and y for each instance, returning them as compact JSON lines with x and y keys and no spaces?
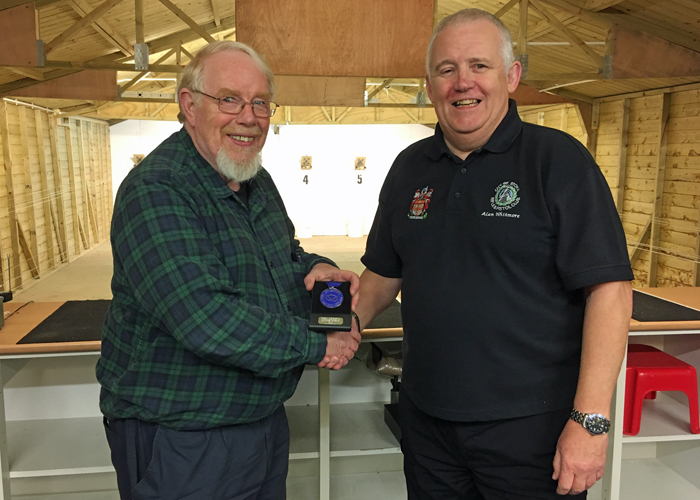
{"x":648,"y":308}
{"x":74,"y":321}
{"x":389,"y":318}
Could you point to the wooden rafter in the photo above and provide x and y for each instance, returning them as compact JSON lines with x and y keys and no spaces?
{"x":103,"y":28}
{"x":138,"y":21}
{"x":384,"y":85}
{"x":522,"y":29}
{"x":188,"y":20}
{"x":505,"y":8}
{"x":144,"y":73}
{"x":667,"y":33}
{"x":595,"y":5}
{"x":215,"y":12}
{"x":29,"y":73}
{"x":93,"y":15}
{"x":544,"y":27}
{"x":567,"y":33}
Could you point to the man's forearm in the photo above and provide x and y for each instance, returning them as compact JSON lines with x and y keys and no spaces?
{"x":376,"y":294}
{"x":605,"y":329}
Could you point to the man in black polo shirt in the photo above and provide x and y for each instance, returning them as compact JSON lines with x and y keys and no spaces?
{"x":506,"y":245}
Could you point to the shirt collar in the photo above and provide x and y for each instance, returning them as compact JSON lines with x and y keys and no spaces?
{"x":500,"y":140}
{"x":205,"y":173}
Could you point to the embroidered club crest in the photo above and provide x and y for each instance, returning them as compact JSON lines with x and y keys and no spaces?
{"x":506,"y":196}
{"x":419,"y":204}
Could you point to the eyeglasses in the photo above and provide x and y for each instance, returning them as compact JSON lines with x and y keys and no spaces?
{"x":234,"y":105}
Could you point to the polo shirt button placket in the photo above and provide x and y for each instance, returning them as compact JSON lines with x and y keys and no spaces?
{"x":464,"y":170}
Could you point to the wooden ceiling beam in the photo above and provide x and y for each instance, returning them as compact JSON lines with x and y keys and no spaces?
{"x":302,"y":37}
{"x":636,"y":54}
{"x":155,"y":46}
{"x":188,"y":20}
{"x":629,"y":21}
{"x":163,"y":68}
{"x":103,"y":28}
{"x":89,"y":85}
{"x":93,"y":15}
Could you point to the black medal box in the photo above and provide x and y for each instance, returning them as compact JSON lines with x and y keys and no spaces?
{"x":330,"y":307}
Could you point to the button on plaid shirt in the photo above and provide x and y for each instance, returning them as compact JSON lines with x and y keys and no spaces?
{"x":208,"y":324}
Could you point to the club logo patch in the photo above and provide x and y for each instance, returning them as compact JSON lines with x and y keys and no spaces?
{"x":506,"y":196}
{"x":419,"y":204}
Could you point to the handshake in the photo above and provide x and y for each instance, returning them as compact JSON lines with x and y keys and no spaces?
{"x":341,"y":346}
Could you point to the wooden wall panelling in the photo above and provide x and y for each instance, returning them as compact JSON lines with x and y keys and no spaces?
{"x":9,"y":184}
{"x":78,"y":234}
{"x":45,"y":192}
{"x":655,"y":237}
{"x":60,"y":212}
{"x":622,"y":156}
{"x":30,"y":249}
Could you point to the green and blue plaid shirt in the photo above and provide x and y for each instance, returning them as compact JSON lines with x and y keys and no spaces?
{"x":208,"y":324}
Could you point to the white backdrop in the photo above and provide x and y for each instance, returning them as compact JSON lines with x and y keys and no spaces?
{"x":332,"y":201}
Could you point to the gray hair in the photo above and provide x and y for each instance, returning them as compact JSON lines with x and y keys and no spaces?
{"x":192,"y":74}
{"x":466,"y":16}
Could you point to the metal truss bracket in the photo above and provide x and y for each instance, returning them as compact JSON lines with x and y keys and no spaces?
{"x":140,"y":56}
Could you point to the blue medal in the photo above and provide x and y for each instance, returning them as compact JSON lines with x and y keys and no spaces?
{"x":332,"y":297}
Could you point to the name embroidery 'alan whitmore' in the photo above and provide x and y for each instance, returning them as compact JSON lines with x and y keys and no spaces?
{"x":419,"y":204}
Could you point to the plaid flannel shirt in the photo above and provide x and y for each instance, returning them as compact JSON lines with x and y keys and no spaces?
{"x":207,"y":325}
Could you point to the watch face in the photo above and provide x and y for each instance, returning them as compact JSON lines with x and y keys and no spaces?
{"x":596,"y":424}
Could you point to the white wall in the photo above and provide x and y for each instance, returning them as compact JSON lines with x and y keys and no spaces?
{"x":331,"y":202}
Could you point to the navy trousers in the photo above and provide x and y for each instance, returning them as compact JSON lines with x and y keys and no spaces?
{"x":236,"y":462}
{"x":499,"y":460}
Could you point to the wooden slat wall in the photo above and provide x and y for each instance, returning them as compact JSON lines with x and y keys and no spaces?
{"x":45,"y":206}
{"x":678,"y":219}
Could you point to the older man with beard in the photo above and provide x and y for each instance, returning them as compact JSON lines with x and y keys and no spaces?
{"x":206,"y":336}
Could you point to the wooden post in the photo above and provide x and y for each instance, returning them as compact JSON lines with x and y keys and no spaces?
{"x":28,"y":188}
{"x":564,"y":118}
{"x":73,"y":187}
{"x":58,"y":191}
{"x":83,"y":179}
{"x":16,"y":270}
{"x":45,"y":196}
{"x":622,"y":157}
{"x":655,"y":237}
{"x":31,"y":261}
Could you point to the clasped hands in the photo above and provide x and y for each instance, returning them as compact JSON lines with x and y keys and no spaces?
{"x":341,"y":346}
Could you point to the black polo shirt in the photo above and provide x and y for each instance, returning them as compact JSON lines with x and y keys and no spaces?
{"x":494,"y":252}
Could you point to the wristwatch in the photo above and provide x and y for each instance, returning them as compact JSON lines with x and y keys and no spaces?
{"x":595,"y":423}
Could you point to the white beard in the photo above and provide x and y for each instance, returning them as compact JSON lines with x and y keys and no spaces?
{"x":237,"y":171}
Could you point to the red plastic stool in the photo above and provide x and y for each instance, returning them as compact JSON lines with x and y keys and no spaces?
{"x":650,"y":370}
